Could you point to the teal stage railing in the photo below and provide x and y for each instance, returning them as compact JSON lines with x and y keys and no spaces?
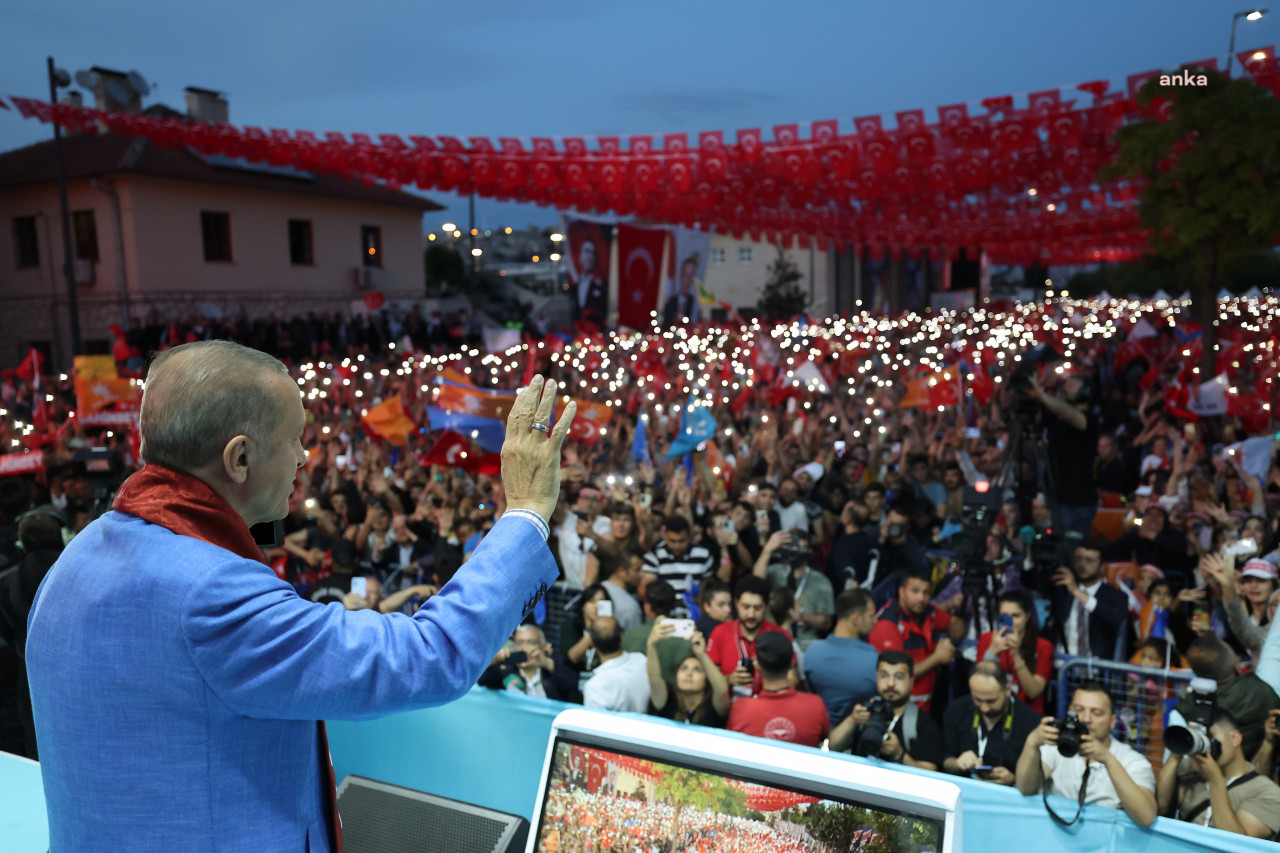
{"x":488,"y":747}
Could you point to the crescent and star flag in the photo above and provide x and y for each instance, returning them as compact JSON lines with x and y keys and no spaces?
{"x":590,"y":419}
{"x":388,"y":420}
{"x":639,"y":274}
{"x":452,"y":451}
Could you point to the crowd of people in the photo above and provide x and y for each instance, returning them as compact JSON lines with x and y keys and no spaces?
{"x":802,"y":573}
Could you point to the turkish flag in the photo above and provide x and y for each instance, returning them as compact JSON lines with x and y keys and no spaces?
{"x":639,"y":274}
{"x":589,"y":420}
{"x":450,"y":450}
{"x":374,"y":301}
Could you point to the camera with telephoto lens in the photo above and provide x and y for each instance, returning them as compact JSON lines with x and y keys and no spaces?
{"x":1194,"y":737}
{"x":873,"y":733}
{"x":1070,"y":730}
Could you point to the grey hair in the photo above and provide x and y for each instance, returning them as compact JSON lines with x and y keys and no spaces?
{"x":199,"y":396}
{"x":542,"y":637}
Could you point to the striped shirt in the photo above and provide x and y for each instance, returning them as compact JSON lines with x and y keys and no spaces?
{"x":681,"y":572}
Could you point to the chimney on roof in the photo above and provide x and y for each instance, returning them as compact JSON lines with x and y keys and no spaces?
{"x":113,"y":91}
{"x":207,"y":105}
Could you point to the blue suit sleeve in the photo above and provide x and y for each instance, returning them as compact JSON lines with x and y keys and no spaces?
{"x":267,"y":653}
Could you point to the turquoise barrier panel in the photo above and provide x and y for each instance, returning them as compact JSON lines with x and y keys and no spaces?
{"x":488,"y":747}
{"x":23,"y":826}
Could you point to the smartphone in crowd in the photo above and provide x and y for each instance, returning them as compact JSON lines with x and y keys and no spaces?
{"x":681,"y":628}
{"x":1006,"y":623}
{"x":604,"y":608}
{"x":360,"y":585}
{"x":840,"y":447}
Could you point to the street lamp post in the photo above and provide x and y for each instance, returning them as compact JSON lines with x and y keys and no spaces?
{"x":59,"y":78}
{"x":1252,"y":15}
{"x":556,"y":257}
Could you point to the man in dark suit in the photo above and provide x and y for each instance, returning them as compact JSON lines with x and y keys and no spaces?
{"x":684,"y":302}
{"x":1088,"y":613}
{"x":590,"y":293}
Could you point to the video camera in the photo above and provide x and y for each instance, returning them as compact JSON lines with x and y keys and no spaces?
{"x":102,"y":470}
{"x":1194,"y":737}
{"x":1025,"y":406}
{"x":981,"y":506}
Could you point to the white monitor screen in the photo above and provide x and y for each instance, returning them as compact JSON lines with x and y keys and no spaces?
{"x":628,"y":785}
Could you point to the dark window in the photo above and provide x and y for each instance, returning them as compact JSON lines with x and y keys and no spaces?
{"x":84,"y":231}
{"x":371,"y":245}
{"x":216,"y":229}
{"x":300,"y":252}
{"x":25,"y":246}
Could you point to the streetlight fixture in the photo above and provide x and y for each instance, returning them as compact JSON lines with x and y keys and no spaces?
{"x":1253,"y":15}
{"x":448,"y":226}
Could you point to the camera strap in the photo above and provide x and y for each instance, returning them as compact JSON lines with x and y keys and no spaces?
{"x":1190,"y":816}
{"x":1084,"y":784}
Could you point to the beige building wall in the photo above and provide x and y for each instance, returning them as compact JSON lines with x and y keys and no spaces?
{"x":151,"y":254}
{"x":739,"y":280}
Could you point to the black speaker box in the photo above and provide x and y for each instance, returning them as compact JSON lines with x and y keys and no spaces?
{"x":382,"y":818}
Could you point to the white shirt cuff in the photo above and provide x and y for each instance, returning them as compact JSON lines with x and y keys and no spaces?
{"x":536,"y":520}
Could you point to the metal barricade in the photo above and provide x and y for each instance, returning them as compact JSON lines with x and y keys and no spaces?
{"x":1142,"y":697}
{"x":560,"y":598}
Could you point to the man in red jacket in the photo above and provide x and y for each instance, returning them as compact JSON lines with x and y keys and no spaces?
{"x":913,"y":625}
{"x":780,"y":711}
{"x":733,"y":644}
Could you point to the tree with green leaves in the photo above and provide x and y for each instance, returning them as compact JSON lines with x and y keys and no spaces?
{"x":782,"y":298}
{"x":444,"y":267}
{"x":690,"y":789}
{"x":1212,"y":173}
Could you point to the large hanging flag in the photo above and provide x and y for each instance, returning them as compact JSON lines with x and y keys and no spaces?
{"x":588,"y":249}
{"x":688,"y":273}
{"x":639,"y":274}
{"x":388,"y":420}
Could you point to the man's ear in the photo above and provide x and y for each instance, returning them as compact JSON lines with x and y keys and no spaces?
{"x":235,"y":459}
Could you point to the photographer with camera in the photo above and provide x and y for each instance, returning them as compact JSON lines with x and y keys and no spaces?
{"x":531,"y":667}
{"x":785,"y":562}
{"x":1228,"y":794}
{"x":881,"y":552}
{"x":1073,"y":438}
{"x":889,"y":725}
{"x":1077,"y":758}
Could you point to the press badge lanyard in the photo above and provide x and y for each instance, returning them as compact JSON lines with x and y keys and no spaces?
{"x":981,"y":731}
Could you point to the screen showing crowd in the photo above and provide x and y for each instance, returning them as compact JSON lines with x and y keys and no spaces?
{"x":602,"y":800}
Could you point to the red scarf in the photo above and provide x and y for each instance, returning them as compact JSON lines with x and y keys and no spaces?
{"x":186,"y":505}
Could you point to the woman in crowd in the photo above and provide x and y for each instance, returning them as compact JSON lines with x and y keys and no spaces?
{"x":700,"y":694}
{"x":574,"y":636}
{"x":1020,"y":650}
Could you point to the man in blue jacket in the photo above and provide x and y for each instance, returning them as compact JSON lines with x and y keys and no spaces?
{"x":177,"y":683}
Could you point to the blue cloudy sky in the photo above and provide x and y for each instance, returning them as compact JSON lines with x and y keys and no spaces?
{"x":507,"y":68}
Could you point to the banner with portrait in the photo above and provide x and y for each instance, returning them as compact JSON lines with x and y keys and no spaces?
{"x":688,"y":272}
{"x":588,"y":247}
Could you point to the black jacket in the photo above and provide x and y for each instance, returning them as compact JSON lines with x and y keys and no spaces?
{"x":1106,"y":621}
{"x":562,"y":684}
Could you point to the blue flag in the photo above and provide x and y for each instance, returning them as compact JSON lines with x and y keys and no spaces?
{"x":640,"y":445}
{"x":491,"y":431}
{"x":696,"y":427}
